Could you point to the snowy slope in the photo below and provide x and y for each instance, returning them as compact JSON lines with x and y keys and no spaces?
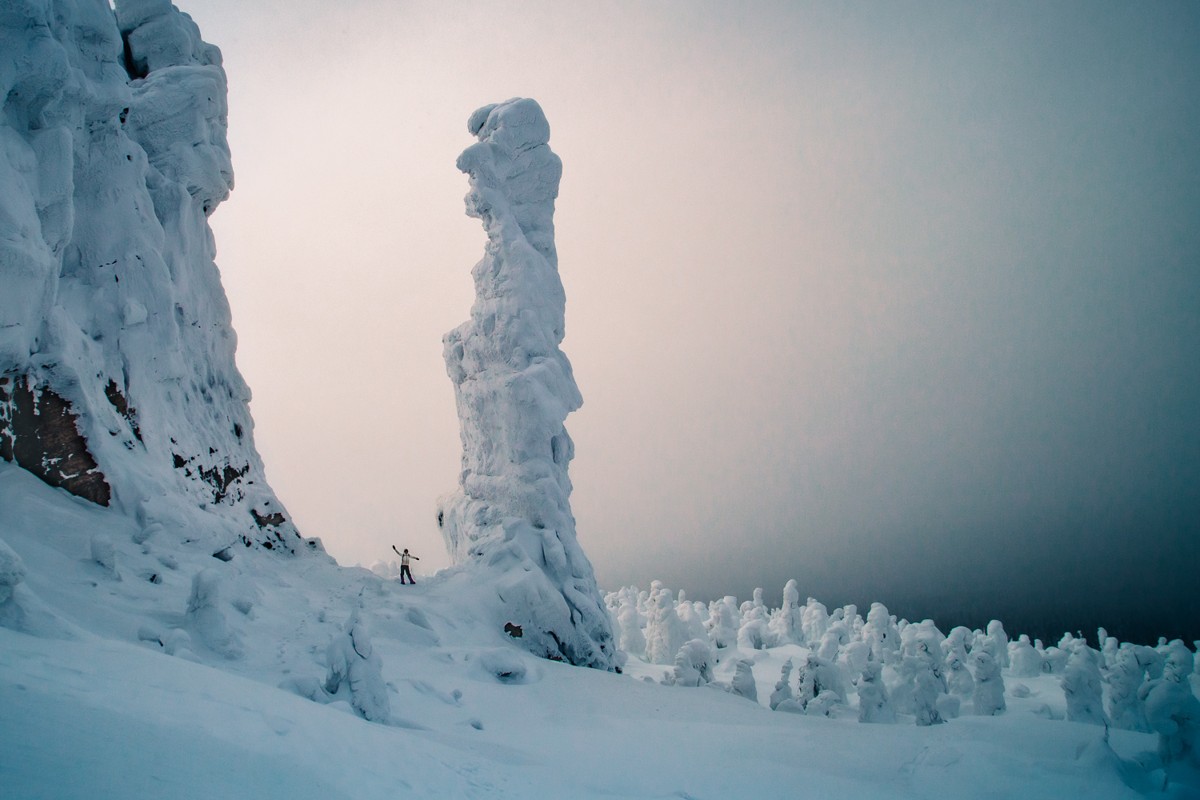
{"x":94,"y":706}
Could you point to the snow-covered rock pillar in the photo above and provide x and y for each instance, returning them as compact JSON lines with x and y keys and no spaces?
{"x":514,"y":389}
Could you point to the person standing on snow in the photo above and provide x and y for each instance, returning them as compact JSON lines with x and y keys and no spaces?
{"x":404,"y":569}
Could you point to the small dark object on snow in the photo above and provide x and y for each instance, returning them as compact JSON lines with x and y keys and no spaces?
{"x":223,"y":554}
{"x":513,"y":630}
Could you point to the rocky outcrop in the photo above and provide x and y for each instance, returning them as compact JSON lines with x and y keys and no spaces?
{"x":511,"y":517}
{"x":116,"y":344}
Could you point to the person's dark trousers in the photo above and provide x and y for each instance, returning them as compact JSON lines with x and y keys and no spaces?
{"x":404,"y":570}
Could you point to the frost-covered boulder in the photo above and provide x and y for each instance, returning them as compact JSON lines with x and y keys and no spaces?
{"x":117,"y":374}
{"x":355,"y":672}
{"x":514,"y":388}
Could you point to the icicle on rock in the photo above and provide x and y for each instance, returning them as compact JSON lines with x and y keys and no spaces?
{"x":514,"y":388}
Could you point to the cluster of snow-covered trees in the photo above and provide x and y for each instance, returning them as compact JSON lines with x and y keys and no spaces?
{"x":883,"y":668}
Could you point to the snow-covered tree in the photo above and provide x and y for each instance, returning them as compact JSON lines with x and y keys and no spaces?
{"x":832,"y":640}
{"x":996,"y":643}
{"x":1173,"y":712}
{"x":1026,"y":660}
{"x":816,"y":677}
{"x":743,"y":680}
{"x":206,"y":618}
{"x":814,"y":620}
{"x":665,"y":632}
{"x":724,"y":619}
{"x":959,"y":681}
{"x":881,"y":634}
{"x":783,"y":688}
{"x":1082,"y":686}
{"x":12,"y":572}
{"x":355,"y":672}
{"x":693,"y":664}
{"x":989,"y":685}
{"x":786,"y":623}
{"x":1124,"y":678}
{"x":874,"y":705}
{"x":754,"y":633}
{"x":629,"y":629}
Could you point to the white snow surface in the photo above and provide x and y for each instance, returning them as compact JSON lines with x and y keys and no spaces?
{"x":511,"y":516}
{"x":97,"y":706}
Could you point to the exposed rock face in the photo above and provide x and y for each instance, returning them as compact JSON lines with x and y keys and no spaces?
{"x":514,"y":388}
{"x":116,"y":349}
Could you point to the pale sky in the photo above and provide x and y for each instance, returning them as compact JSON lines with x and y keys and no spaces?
{"x":898,"y":299}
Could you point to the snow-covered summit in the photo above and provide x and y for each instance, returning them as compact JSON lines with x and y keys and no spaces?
{"x":117,"y":374}
{"x":511,"y":516}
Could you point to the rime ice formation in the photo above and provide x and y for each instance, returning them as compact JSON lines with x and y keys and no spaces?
{"x":514,"y":388}
{"x":117,"y":375}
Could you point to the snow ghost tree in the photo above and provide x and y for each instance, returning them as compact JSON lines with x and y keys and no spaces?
{"x":743,"y":680}
{"x":874,"y":705}
{"x":989,"y":685}
{"x":205,"y":617}
{"x":1173,"y":712}
{"x":693,"y":664}
{"x":785,"y":624}
{"x":665,"y":631}
{"x":1124,"y":678}
{"x":1082,"y":686}
{"x":514,"y":388}
{"x":356,"y":670}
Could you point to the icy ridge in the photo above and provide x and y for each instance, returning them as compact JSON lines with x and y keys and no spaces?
{"x":117,"y":373}
{"x":514,"y":388}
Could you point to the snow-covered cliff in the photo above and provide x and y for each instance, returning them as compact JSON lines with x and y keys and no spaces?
{"x":117,"y":374}
{"x":514,"y":388}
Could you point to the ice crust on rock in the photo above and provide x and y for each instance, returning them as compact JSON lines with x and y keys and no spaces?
{"x":514,"y":387}
{"x":117,"y":374}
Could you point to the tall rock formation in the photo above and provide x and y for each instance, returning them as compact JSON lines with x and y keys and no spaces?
{"x":514,"y":388}
{"x":117,"y":375}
